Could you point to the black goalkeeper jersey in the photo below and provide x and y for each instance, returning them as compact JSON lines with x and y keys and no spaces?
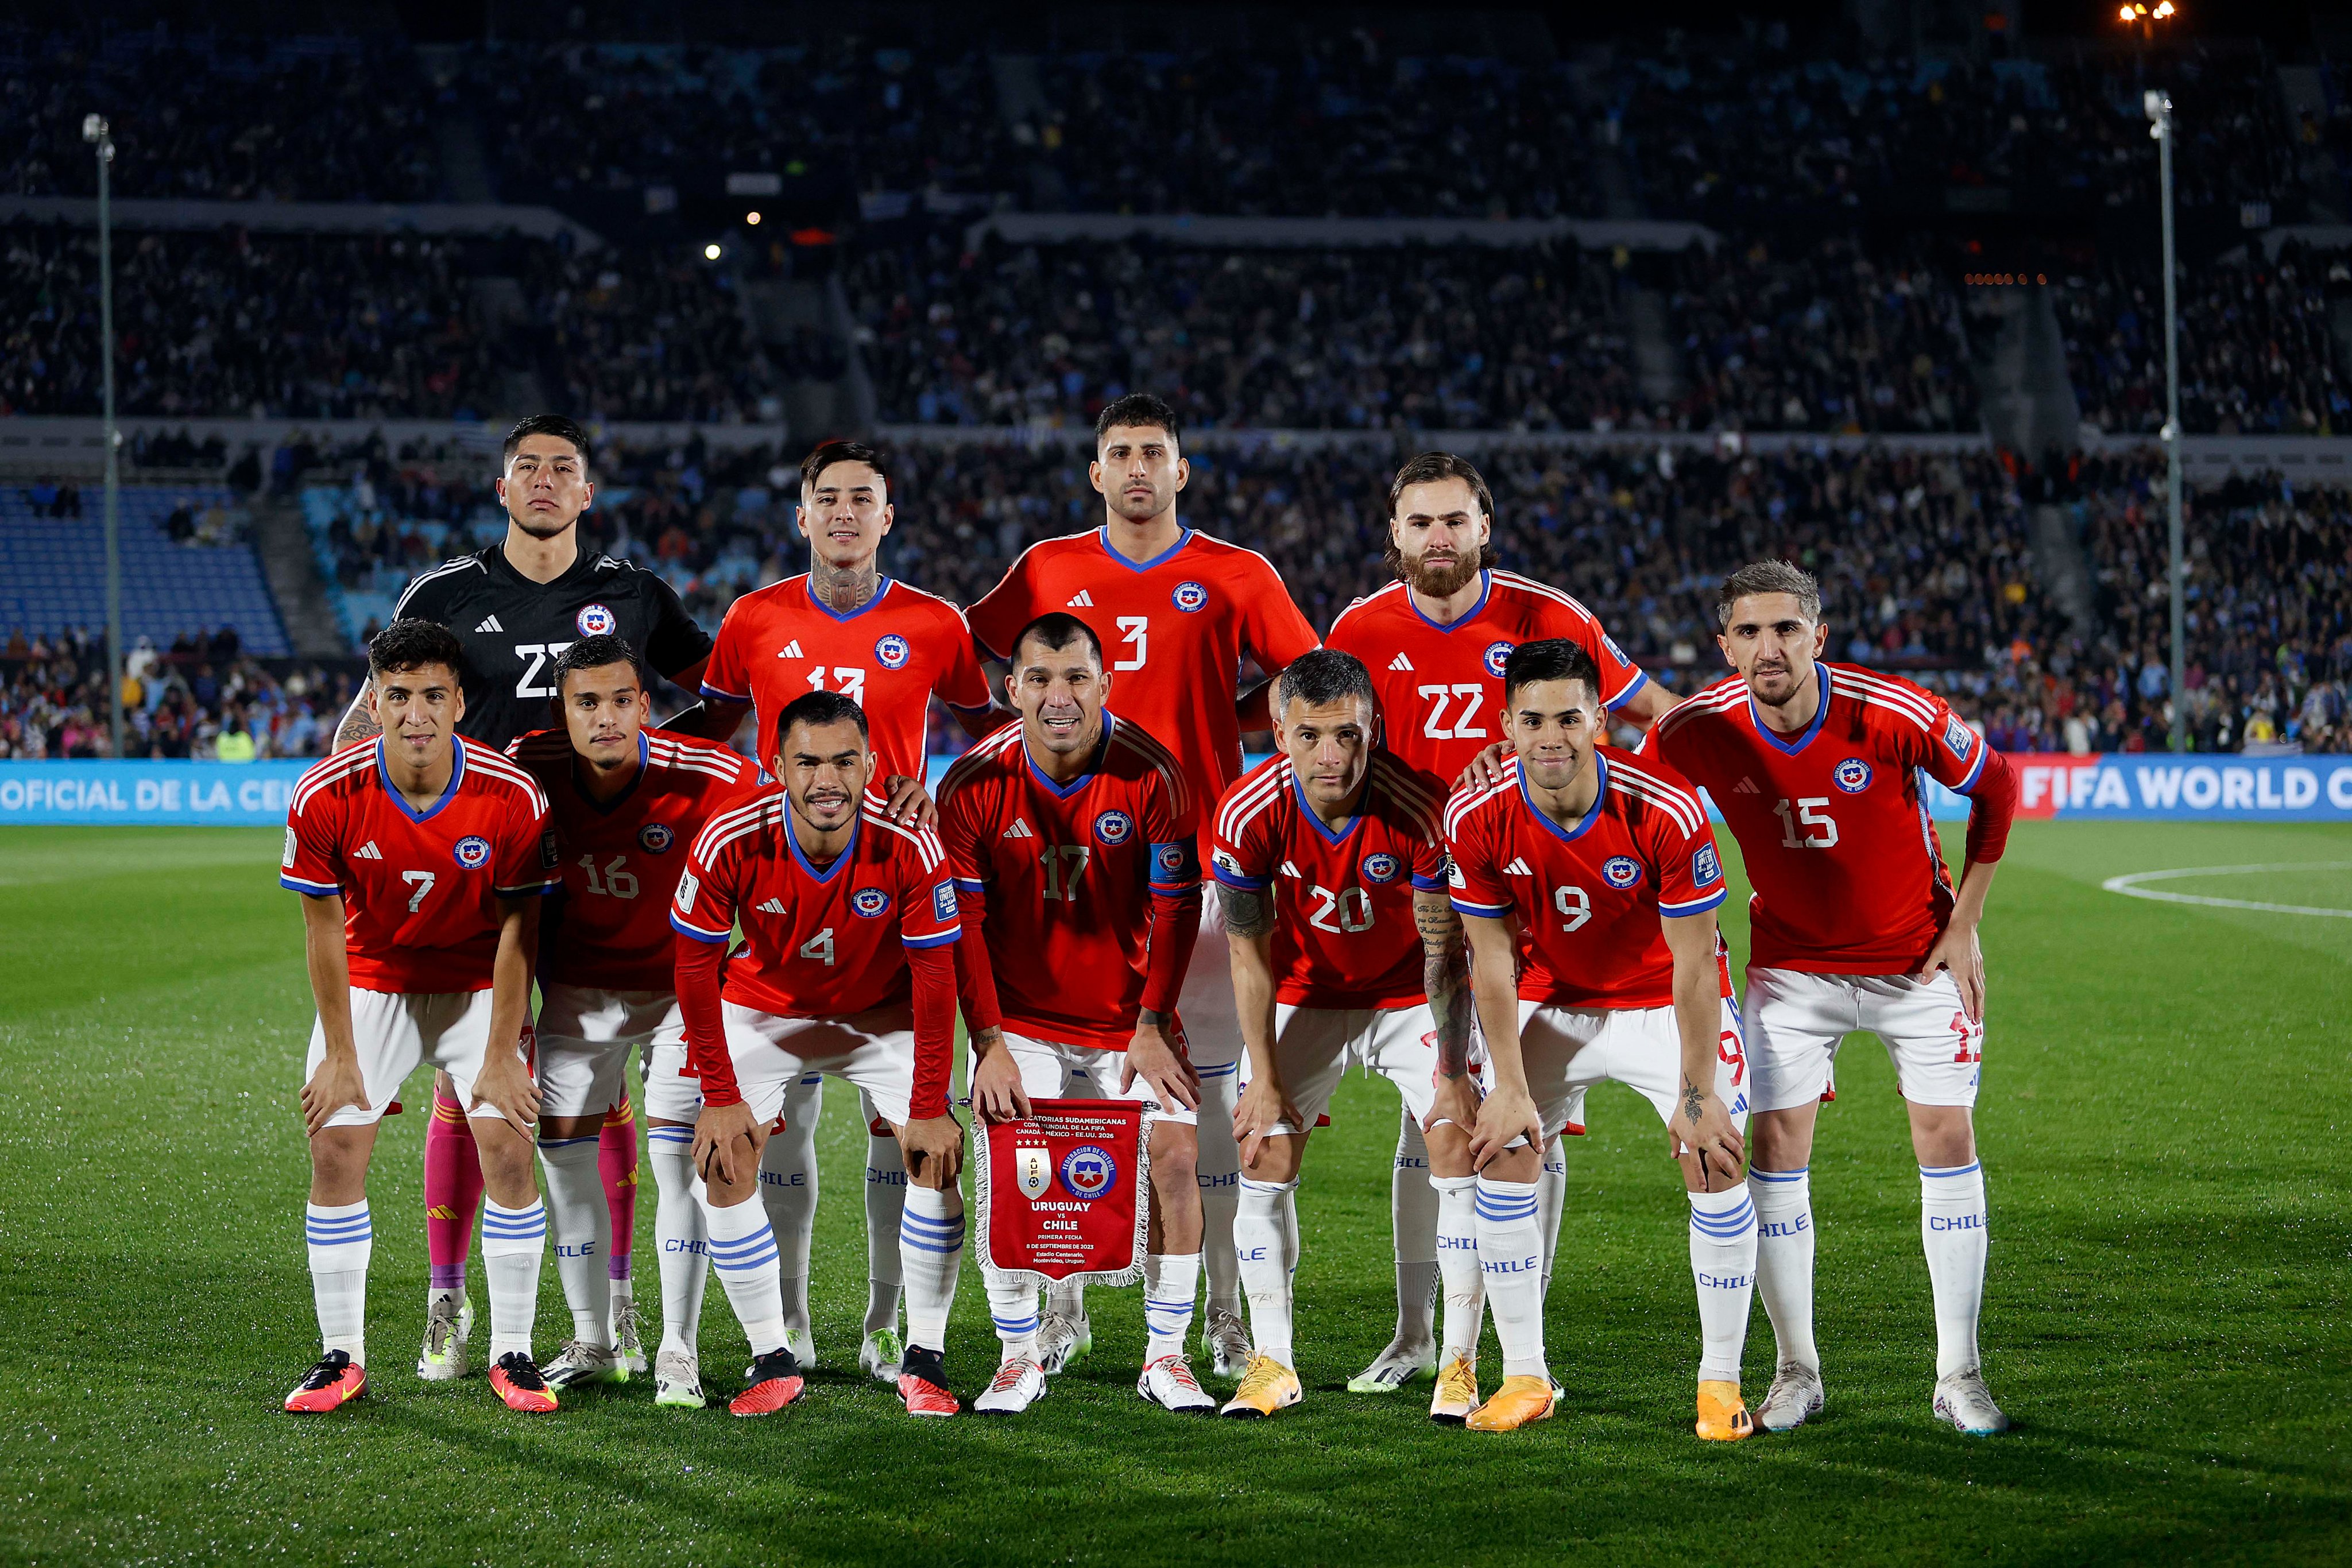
{"x":512,"y":629}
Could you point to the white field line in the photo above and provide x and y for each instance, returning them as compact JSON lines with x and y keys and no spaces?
{"x":2130,"y":886}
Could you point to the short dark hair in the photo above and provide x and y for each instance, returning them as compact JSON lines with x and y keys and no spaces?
{"x":558,"y":426}
{"x":1054,"y":630}
{"x":1135,"y":408}
{"x":1323,"y":675}
{"x":595,"y":653}
{"x":1427,"y":468}
{"x":816,"y":710}
{"x":1769,"y":577}
{"x":412,"y":642}
{"x":829,"y":452}
{"x":1549,"y":659}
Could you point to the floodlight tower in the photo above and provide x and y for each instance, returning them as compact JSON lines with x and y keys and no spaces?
{"x":94,"y":131}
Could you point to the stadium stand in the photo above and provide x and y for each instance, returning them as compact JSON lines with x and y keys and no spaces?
{"x":183,"y":568}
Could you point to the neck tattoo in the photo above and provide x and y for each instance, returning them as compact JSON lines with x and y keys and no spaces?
{"x":845,"y":588}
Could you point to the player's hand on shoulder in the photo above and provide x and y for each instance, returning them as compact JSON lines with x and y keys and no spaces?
{"x":1484,"y":769}
{"x":1263,"y":1106}
{"x":337,"y":1084}
{"x":505,"y":1085}
{"x":727,"y":1141}
{"x":934,"y":1150}
{"x":996,"y":1091}
{"x":908,"y":803}
{"x":1151,"y":1057}
{"x":1508,"y":1113}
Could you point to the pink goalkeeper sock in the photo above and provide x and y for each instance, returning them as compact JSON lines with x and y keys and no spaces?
{"x":617,"y":1162}
{"x":453,"y":1192}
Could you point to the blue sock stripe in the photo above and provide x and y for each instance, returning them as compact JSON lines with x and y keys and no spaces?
{"x":671,"y":1134}
{"x":569,"y":1143}
{"x":496,"y":1224}
{"x":1227,"y":1069}
{"x":1797,"y":1175}
{"x":1488,"y":1210}
{"x":953,"y":1222}
{"x":340,"y":1238}
{"x":736,"y":1246}
{"x":1948,"y":1172}
{"x":1737,"y":1225}
{"x":1017,"y":1326}
{"x":744,"y":1265}
{"x":338,"y":1222}
{"x":920,"y":1245}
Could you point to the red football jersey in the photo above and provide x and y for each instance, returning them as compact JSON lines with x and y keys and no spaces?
{"x":1173,"y":631}
{"x":1589,"y":898}
{"x":818,"y":943}
{"x":1068,"y":873}
{"x":1344,"y":935}
{"x":1440,"y":687}
{"x":1848,"y":872}
{"x":621,"y":862}
{"x":890,"y":656}
{"x":420,"y":890}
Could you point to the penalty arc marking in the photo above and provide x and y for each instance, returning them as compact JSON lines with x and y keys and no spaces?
{"x":2130,"y":886}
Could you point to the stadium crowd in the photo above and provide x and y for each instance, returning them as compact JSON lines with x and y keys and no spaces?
{"x":199,"y":698}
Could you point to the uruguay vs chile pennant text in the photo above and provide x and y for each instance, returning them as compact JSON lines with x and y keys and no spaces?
{"x":1061,"y":1193}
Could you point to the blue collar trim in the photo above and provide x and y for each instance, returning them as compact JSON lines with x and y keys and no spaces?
{"x":1307,"y":811}
{"x":849,"y":851}
{"x":881,"y":593}
{"x":1569,"y":835}
{"x":1183,"y":537}
{"x":456,"y":776}
{"x":1485,"y":590}
{"x":1791,"y":748}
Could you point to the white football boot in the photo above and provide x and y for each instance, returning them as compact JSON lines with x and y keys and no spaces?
{"x":1228,"y":1341}
{"x":1796,"y":1394}
{"x":677,"y":1380}
{"x":1018,"y":1384}
{"x":1963,"y":1401}
{"x":1063,"y":1343}
{"x":1169,"y":1383}
{"x":448,"y":1324}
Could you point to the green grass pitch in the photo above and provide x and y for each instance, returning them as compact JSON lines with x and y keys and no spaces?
{"x":2167,"y":1318}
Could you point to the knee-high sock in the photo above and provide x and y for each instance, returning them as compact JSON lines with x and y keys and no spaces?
{"x":616,"y":1164}
{"x":679,"y":1240}
{"x":453,"y":1192}
{"x":788,"y":1195}
{"x":1457,"y":1262}
{"x":1510,"y":1254}
{"x":931,"y":1247}
{"x":581,"y":1221}
{"x":1068,"y":1299}
{"x":744,"y":1249}
{"x":1218,"y":1165}
{"x":1952,"y":1231}
{"x":886,"y":1201}
{"x":514,"y":1240}
{"x":1551,"y":1197}
{"x":1014,"y":1308}
{"x":341,"y":1239}
{"x":1723,"y":1267}
{"x":1170,"y":1280}
{"x":1413,"y":1219}
{"x":1784,"y":1261}
{"x":1266,"y":1247}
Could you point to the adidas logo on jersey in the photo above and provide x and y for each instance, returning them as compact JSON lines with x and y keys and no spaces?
{"x":1082,"y":600}
{"x":491,"y":624}
{"x":1019,"y":830}
{"x":367,"y":851}
{"x":773,"y":906}
{"x":1518,"y":868}
{"x":1289,"y":870}
{"x":1400,"y":663}
{"x":790,"y":650}
{"x":1745,"y":786}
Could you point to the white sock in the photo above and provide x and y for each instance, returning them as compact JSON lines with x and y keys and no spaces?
{"x":1068,"y":1299}
{"x":342,"y":1238}
{"x":1784,"y":1261}
{"x":581,"y":1223}
{"x":930,"y":1251}
{"x":679,"y":1241}
{"x":1014,"y":1310}
{"x":1217,"y":1165}
{"x":1458,"y":1261}
{"x":1510,"y":1255}
{"x":788,"y":1194}
{"x":886,"y":1199}
{"x":1265,"y":1249}
{"x":1169,"y":1281}
{"x":1412,"y":1220}
{"x":514,"y":1240}
{"x":1723,"y":1267}
{"x":1551,"y":1197}
{"x":744,"y":1249}
{"x":1952,"y":1232}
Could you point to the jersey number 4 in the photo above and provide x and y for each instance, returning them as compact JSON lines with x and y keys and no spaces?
{"x":1435,"y":726}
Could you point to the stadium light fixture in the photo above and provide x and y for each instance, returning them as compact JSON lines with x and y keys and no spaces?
{"x":2158,"y":106}
{"x":752,"y":218}
{"x":95,"y":130}
{"x":710,"y":252}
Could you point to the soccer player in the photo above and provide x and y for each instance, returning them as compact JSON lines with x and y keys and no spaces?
{"x":1588,"y":881}
{"x":626,"y":799}
{"x":421,"y":859}
{"x":1434,"y":641}
{"x":1176,"y":610}
{"x":843,"y":626}
{"x":1856,"y":925}
{"x":847,"y":916}
{"x":1346,"y":951}
{"x":514,"y":607}
{"x":1073,"y":838}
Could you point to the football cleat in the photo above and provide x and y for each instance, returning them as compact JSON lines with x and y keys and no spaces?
{"x":628,"y":1336}
{"x":1228,"y":1341}
{"x":579,"y":1363}
{"x":1518,"y":1402}
{"x":1063,"y":1343}
{"x":1169,"y":1383}
{"x":923,"y":1384}
{"x":772,"y":1382}
{"x":879,"y":1356}
{"x":1457,"y":1391}
{"x":1796,"y":1393}
{"x":1018,"y":1384}
{"x":1268,"y":1387}
{"x":335,"y":1382}
{"x":516,"y":1378}
{"x":803,"y":1344}
{"x":1963,"y":1401}
{"x":1394,"y":1367}
{"x":677,"y":1380}
{"x":1722,"y":1417}
{"x":448,"y":1324}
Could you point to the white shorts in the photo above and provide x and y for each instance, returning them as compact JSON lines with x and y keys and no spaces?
{"x":1050,"y":1070}
{"x":1213,"y":1024}
{"x":1314,"y":1048}
{"x":773,"y":1058}
{"x":586,"y":1036}
{"x":1565,"y":1050}
{"x":396,"y":1032}
{"x":1796,"y":1022}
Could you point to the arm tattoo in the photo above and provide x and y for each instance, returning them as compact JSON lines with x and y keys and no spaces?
{"x":985,"y":1040}
{"x":1445,"y":976}
{"x":1157,"y":1020}
{"x":1247,"y":914}
{"x":360,"y":723}
{"x":1694,"y":1102}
